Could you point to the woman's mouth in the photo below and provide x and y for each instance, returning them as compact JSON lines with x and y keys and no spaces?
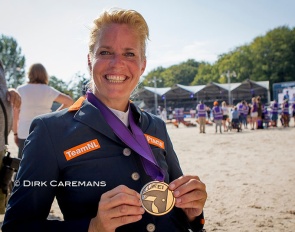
{"x":115,"y":78}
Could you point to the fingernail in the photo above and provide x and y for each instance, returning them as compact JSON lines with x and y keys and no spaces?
{"x":176,"y":193}
{"x":178,"y":200}
{"x":172,"y":186}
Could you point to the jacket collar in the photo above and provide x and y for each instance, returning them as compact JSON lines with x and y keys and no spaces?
{"x":89,"y":115}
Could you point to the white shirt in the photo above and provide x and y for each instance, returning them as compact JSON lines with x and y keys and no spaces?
{"x":225,"y":110}
{"x":37,"y":99}
{"x":123,"y":116}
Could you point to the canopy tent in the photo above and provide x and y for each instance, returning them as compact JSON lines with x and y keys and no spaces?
{"x":146,"y":97}
{"x":248,"y":89}
{"x":211,"y":92}
{"x":176,"y":92}
{"x":192,"y":89}
{"x":189,"y":95}
{"x":149,"y":92}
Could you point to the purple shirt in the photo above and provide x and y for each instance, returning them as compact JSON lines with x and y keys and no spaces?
{"x":201,"y":108}
{"x":217,"y":113}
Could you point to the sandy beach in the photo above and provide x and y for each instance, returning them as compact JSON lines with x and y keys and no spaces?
{"x":250,"y":176}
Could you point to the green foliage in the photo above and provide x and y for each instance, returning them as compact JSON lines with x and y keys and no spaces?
{"x":13,"y":61}
{"x":266,"y":58}
{"x":60,"y":85}
{"x":274,"y":55}
{"x":148,"y":80}
{"x":183,"y":73}
{"x":78,"y":85}
{"x":204,"y":75}
{"x":75,"y":88}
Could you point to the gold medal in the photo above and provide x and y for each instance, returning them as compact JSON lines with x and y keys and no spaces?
{"x":156,"y":198}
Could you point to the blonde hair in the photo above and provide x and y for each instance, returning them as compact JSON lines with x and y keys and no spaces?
{"x":37,"y":74}
{"x":120,"y":16}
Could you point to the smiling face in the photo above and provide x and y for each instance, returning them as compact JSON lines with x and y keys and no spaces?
{"x":117,"y":65}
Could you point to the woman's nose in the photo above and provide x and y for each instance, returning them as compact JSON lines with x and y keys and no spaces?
{"x":117,"y":60}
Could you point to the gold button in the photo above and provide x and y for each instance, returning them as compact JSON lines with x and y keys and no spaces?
{"x":126,"y":152}
{"x":135,"y":176}
{"x":150,"y":227}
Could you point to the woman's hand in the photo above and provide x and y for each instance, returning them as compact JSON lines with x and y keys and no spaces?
{"x":117,"y":207}
{"x":190,"y":195}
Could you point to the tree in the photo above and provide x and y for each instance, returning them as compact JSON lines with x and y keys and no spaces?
{"x":75,"y":88}
{"x":183,"y":73}
{"x":78,"y":85}
{"x":274,"y":55}
{"x":148,"y":79}
{"x":204,"y":75}
{"x":13,"y":61}
{"x":59,"y":85}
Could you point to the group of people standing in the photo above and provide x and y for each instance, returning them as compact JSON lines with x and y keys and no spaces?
{"x":254,"y":114}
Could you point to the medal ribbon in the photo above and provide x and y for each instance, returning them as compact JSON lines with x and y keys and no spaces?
{"x":135,"y":141}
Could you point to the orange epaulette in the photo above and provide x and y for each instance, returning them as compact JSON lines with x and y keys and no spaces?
{"x":77,"y":105}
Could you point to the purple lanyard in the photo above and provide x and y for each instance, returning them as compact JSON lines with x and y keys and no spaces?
{"x":135,"y":141}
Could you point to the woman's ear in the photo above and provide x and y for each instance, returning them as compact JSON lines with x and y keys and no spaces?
{"x":143,"y":66}
{"x":89,"y":63}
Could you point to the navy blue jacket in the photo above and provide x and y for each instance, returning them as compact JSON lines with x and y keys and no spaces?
{"x":44,"y":162}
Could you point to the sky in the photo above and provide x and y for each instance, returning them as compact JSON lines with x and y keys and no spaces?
{"x":55,"y":32}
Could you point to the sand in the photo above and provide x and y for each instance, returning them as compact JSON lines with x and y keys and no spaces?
{"x":250,"y":176}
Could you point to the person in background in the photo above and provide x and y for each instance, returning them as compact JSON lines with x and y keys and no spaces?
{"x":164,"y":115}
{"x":225,"y":115}
{"x":285,"y":113}
{"x":274,"y":113}
{"x":286,"y":96}
{"x":159,"y":111}
{"x":106,"y":140}
{"x":249,"y":118}
{"x":259,"y":113}
{"x":217,"y":115}
{"x":293,"y":111}
{"x":208,"y":110}
{"x":37,"y":98}
{"x":9,"y":99}
{"x":254,"y":113}
{"x":235,"y":117}
{"x":201,"y":112}
{"x":245,"y":114}
{"x":240,"y":107}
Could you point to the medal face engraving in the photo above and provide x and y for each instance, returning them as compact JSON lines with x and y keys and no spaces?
{"x":156,"y":198}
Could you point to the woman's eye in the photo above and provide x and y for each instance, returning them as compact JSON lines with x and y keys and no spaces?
{"x":104,"y":53}
{"x":129,"y":54}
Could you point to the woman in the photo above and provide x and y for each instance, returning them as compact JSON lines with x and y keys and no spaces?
{"x":88,"y":144}
{"x":37,"y":98}
{"x":254,"y":113}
